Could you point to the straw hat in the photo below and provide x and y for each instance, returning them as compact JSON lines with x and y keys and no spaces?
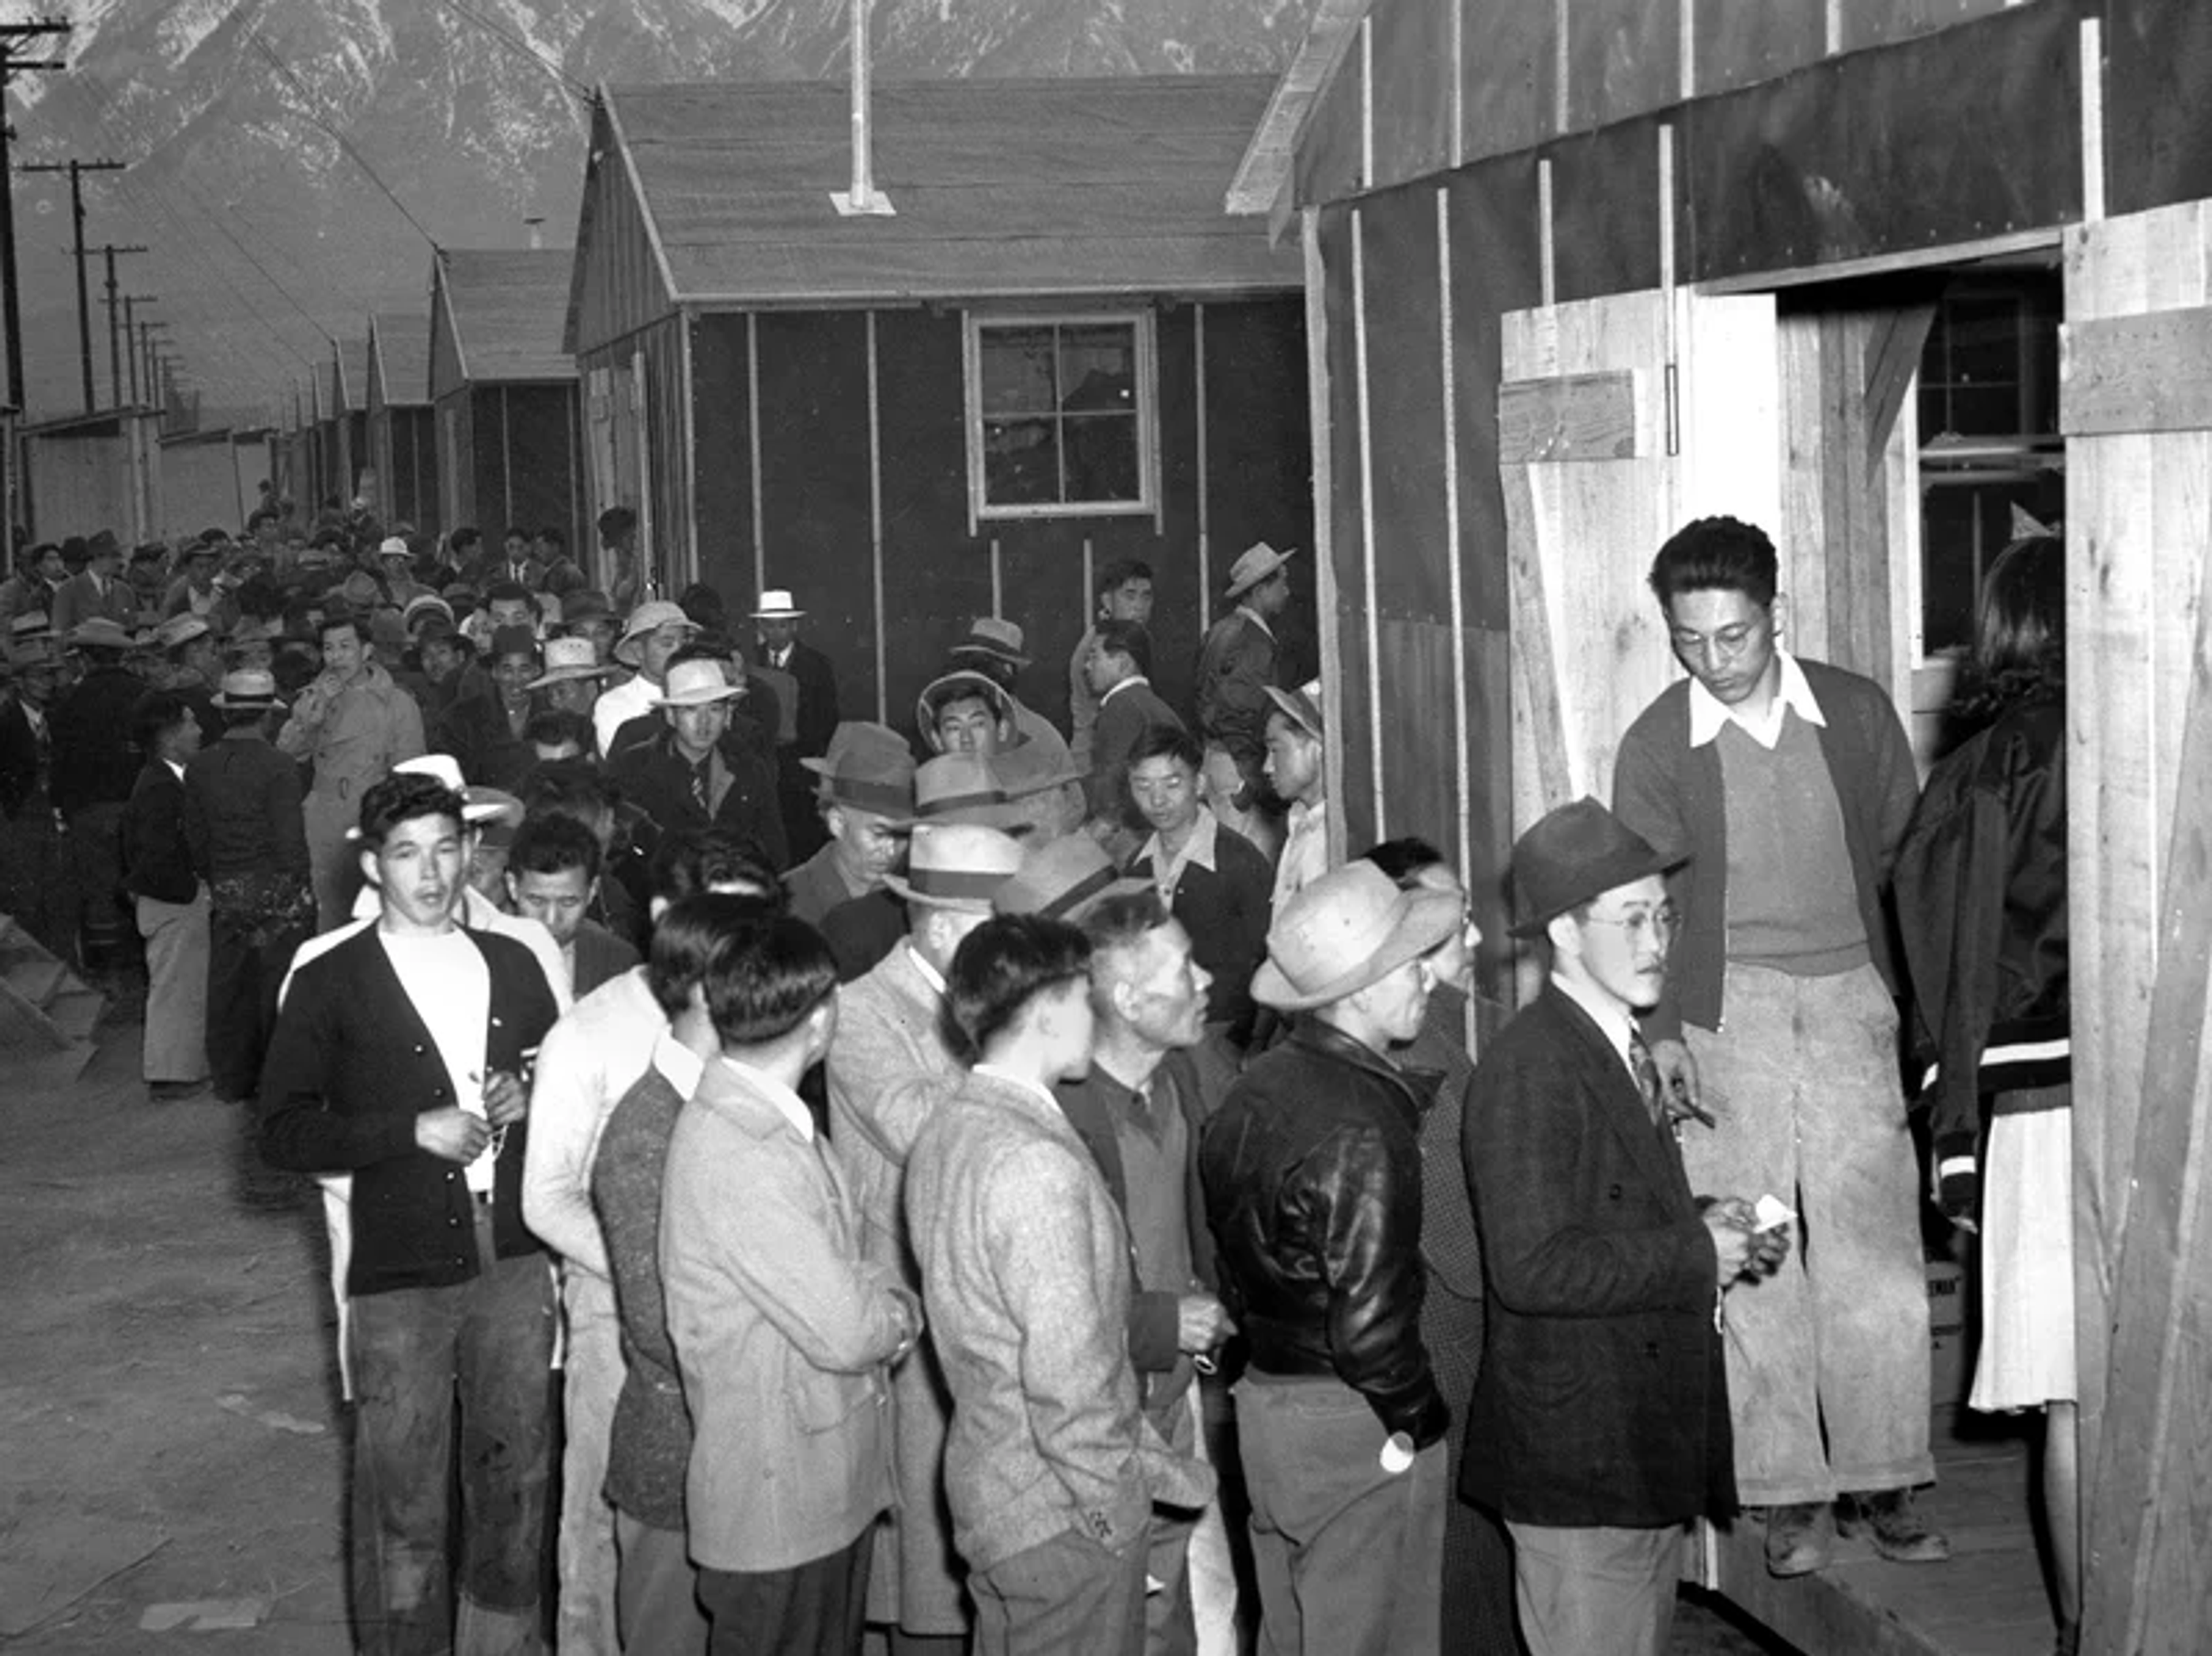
{"x":647,"y":618}
{"x":697,"y":684}
{"x":479,"y":806}
{"x":1350,"y":928}
{"x":954,"y":686}
{"x":180,"y":629}
{"x":567,"y":658}
{"x":100,"y":633}
{"x":249,"y":688}
{"x":1254,"y":564}
{"x":1301,"y":707}
{"x":31,"y":627}
{"x":957,"y":865}
{"x":1001,"y":640}
{"x":1577,"y":852}
{"x":1064,"y":879}
{"x":869,"y":767}
{"x":393,"y":547}
{"x":964,"y":787}
{"x":776,"y":604}
{"x":424,"y":605}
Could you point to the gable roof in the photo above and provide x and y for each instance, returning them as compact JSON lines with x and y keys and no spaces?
{"x":1002,"y":188}
{"x":401,"y":346}
{"x":506,"y":307}
{"x":349,"y":373}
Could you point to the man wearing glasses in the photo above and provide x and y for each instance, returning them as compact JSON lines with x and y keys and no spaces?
{"x":1787,"y":784}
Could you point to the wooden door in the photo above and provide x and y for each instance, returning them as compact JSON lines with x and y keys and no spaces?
{"x":2135,"y":404}
{"x":1619,"y":419}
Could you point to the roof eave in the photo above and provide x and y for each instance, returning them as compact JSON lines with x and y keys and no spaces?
{"x":1263,"y":177}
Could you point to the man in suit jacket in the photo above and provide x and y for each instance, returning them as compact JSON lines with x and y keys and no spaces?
{"x":813,"y":722}
{"x":783,"y":1329}
{"x":96,"y":592}
{"x":1240,"y":658}
{"x":688,"y":776}
{"x":401,"y":1058}
{"x":1129,"y":712}
{"x":553,"y":877}
{"x":171,"y":902}
{"x":865,"y":800}
{"x":1599,"y":1426}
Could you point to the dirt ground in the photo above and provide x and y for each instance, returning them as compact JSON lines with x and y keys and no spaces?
{"x":167,"y":1400}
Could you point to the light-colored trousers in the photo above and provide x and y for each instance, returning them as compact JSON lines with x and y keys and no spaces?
{"x":176,"y":937}
{"x":592,"y":1382}
{"x":1595,"y":1591}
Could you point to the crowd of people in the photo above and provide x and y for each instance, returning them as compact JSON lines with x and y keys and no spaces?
{"x":1009,"y":1188}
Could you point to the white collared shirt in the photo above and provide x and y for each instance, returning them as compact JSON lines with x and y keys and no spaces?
{"x":1305,"y":852}
{"x":1043,"y":1094}
{"x":175,"y":769}
{"x":1199,"y":848}
{"x":930,"y":975}
{"x":1708,"y":713}
{"x":789,"y":1104}
{"x":679,"y":1066}
{"x":1133,"y":678}
{"x":1615,"y":1024}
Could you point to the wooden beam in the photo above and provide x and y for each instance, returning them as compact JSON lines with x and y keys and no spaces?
{"x":2149,"y":1581}
{"x":2128,"y":373}
{"x":1893,"y":352}
{"x":1321,"y":439}
{"x":1546,"y":723}
{"x":1578,"y":416}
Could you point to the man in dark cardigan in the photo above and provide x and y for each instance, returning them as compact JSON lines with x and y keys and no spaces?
{"x":1599,"y":1426}
{"x":401,"y":1058}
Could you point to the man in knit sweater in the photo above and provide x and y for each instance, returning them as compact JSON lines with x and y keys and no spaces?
{"x":1788,"y":783}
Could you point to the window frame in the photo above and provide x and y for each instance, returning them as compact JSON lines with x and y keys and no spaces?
{"x":1144,"y":323}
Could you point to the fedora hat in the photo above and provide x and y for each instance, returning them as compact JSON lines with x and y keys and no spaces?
{"x":247,"y":688}
{"x":697,"y":684}
{"x":180,"y":629}
{"x":1345,"y":931}
{"x":1301,"y":707}
{"x":964,"y":787}
{"x":29,"y":627}
{"x":567,"y":658}
{"x":479,"y":806}
{"x":513,"y":641}
{"x":1577,"y":852}
{"x":1036,"y":766}
{"x":585,"y":604}
{"x":392,"y":546}
{"x":1001,"y":640}
{"x":868,"y":766}
{"x":957,"y":865}
{"x":646,"y":618}
{"x":956,"y":686}
{"x":1064,"y":879}
{"x":1254,"y":564}
{"x":776,"y":604}
{"x":100,"y":633}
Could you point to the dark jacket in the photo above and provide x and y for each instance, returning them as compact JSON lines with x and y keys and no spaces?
{"x":658,"y":778}
{"x":157,"y":863}
{"x":862,"y":931}
{"x":22,"y":755}
{"x":1602,"y":1399}
{"x":1224,"y":909}
{"x":1981,"y":900}
{"x":242,"y":809}
{"x":1312,"y":1171}
{"x":93,"y":763}
{"x":752,"y":728}
{"x":475,"y":731}
{"x":1238,"y":661}
{"x":1672,"y":794}
{"x":349,"y":1068}
{"x":600,"y":957}
{"x":816,"y":715}
{"x":1125,"y":719}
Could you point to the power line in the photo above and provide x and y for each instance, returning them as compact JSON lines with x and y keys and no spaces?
{"x":344,"y":144}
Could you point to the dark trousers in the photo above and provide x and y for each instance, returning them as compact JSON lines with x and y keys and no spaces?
{"x":815,"y":1608}
{"x":489,"y":1341}
{"x":246,"y":967}
{"x":107,"y":929}
{"x":1067,"y":1595}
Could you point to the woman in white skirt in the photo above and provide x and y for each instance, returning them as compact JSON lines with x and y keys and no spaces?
{"x":1981,"y":891}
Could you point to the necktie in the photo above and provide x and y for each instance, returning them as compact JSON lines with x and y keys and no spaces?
{"x":699,"y":788}
{"x":1646,"y":1074}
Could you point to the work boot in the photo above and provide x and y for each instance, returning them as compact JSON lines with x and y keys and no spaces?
{"x":1889,"y":1519}
{"x":1798,"y":1540}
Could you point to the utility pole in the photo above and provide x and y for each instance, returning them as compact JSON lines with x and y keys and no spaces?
{"x":131,"y":301}
{"x":107,"y":250}
{"x":146,"y":346}
{"x":14,"y":38}
{"x":77,"y":169}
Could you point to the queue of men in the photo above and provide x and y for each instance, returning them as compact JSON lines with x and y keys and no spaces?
{"x":972,"y":1179}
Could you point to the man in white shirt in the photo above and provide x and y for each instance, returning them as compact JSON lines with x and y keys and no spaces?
{"x":1295,"y":769}
{"x":655,"y":632}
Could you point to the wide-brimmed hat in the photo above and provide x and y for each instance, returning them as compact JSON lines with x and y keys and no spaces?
{"x":965,"y":787}
{"x":422,"y":604}
{"x":100,"y":633}
{"x":29,"y":627}
{"x":957,"y":686}
{"x":360,"y":590}
{"x":697,"y":684}
{"x":1254,"y":564}
{"x":479,"y":806}
{"x":1301,"y":707}
{"x":202,"y":550}
{"x":180,"y":629}
{"x":1064,"y":879}
{"x":776,"y":604}
{"x":957,"y":865}
{"x":869,"y":767}
{"x":1577,"y":852}
{"x":1345,"y":931}
{"x":646,"y":618}
{"x":1001,"y":640}
{"x":569,"y":659}
{"x":1036,"y":766}
{"x":249,"y":688}
{"x":513,"y":641}
{"x":392,"y":546}
{"x":435,"y":626}
{"x":585,"y":604}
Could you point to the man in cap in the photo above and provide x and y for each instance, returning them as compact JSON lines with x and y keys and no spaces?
{"x":97,"y":590}
{"x":192,"y":666}
{"x":489,"y":732}
{"x":1788,"y":784}
{"x":94,"y":768}
{"x":586,"y":614}
{"x":1122,"y":592}
{"x":1313,"y":1173}
{"x":865,"y":801}
{"x":571,"y":677}
{"x":1599,"y":1425}
{"x":1241,"y":658}
{"x":814,"y":711}
{"x":401,"y":1058}
{"x":655,"y":632}
{"x":688,"y":776}
{"x":249,"y":843}
{"x":889,"y":1071}
{"x":193,"y":592}
{"x":353,"y":723}
{"x":1296,"y":770}
{"x":395,"y":563}
{"x":170,"y":898}
{"x":994,"y":649}
{"x":1140,"y":1112}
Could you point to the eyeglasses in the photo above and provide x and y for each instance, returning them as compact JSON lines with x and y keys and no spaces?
{"x":1658,"y":924}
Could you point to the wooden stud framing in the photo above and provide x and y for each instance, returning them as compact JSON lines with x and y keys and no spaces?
{"x":1324,"y":488}
{"x":2092,"y":119}
{"x":1447,"y":358}
{"x":876,"y":527}
{"x":1204,"y":489}
{"x":1547,"y":270}
{"x":1367,"y":525}
{"x":997,"y":581}
{"x":759,"y":488}
{"x":688,"y":439}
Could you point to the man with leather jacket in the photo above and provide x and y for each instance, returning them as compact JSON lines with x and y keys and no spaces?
{"x":1312,"y":1172}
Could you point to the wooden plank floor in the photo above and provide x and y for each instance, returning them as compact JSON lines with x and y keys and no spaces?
{"x":1988,"y":1600}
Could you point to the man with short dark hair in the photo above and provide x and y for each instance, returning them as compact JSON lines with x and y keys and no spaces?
{"x":1051,"y":1467}
{"x":97,"y":590}
{"x":1130,"y":713}
{"x":172,"y":903}
{"x":508,"y":603}
{"x":783,"y":1329}
{"x":1294,"y":768}
{"x":401,"y":1058}
{"x":1788,"y":783}
{"x":1122,"y":591}
{"x":487,"y":732}
{"x":553,"y":877}
{"x":813,"y":722}
{"x":560,"y":574}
